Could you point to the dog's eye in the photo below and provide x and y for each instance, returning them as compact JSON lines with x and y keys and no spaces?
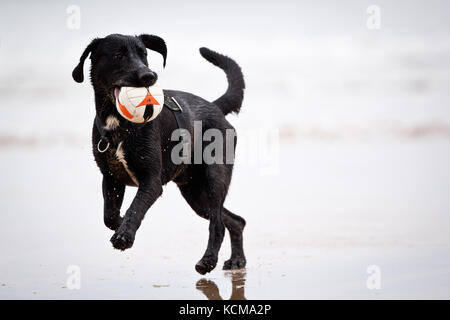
{"x":118,"y":56}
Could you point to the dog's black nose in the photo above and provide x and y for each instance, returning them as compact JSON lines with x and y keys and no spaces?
{"x":148,"y":78}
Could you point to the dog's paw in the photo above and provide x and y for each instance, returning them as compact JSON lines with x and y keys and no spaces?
{"x":206,"y":264}
{"x":235,"y":263}
{"x":122,"y":239}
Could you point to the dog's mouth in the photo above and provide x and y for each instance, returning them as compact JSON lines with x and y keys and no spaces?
{"x":116,"y":91}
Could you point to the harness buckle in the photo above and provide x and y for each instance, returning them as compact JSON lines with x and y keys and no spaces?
{"x":176,"y":102}
{"x":98,"y":145}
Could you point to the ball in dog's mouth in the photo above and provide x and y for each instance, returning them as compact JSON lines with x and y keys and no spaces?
{"x":138,"y":104}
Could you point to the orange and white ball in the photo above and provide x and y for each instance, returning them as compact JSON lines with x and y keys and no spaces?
{"x":139,"y":105}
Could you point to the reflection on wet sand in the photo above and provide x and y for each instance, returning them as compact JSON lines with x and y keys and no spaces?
{"x":211,"y":291}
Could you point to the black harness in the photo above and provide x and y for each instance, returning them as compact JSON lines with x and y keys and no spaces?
{"x":107,"y":139}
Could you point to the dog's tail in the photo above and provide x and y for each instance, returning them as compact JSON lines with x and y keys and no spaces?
{"x":231,"y":101}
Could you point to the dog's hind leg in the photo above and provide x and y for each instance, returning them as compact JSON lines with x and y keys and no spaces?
{"x":204,"y":201}
{"x":113,"y":192}
{"x":205,"y":194}
{"x":235,"y":225}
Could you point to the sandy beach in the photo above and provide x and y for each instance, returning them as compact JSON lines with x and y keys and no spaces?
{"x":318,"y":244}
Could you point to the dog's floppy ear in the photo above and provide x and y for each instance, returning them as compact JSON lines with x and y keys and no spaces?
{"x":77,"y":73}
{"x":155,"y":43}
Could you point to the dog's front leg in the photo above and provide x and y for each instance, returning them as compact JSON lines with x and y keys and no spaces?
{"x":113,"y":192}
{"x":148,"y":191}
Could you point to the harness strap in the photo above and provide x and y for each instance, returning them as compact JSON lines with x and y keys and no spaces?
{"x":104,"y":142}
{"x":182,"y":122}
{"x":172,"y":104}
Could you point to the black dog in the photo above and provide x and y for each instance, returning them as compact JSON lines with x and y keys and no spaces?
{"x":140,"y":154}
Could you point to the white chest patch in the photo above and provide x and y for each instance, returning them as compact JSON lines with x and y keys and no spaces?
{"x":111,"y":123}
{"x":120,"y":154}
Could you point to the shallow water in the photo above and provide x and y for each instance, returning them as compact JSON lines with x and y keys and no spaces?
{"x":348,"y":205}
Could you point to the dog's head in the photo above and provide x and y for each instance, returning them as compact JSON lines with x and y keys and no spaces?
{"x":119,"y":61}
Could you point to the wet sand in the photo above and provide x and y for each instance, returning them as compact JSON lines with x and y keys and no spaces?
{"x":311,"y":232}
